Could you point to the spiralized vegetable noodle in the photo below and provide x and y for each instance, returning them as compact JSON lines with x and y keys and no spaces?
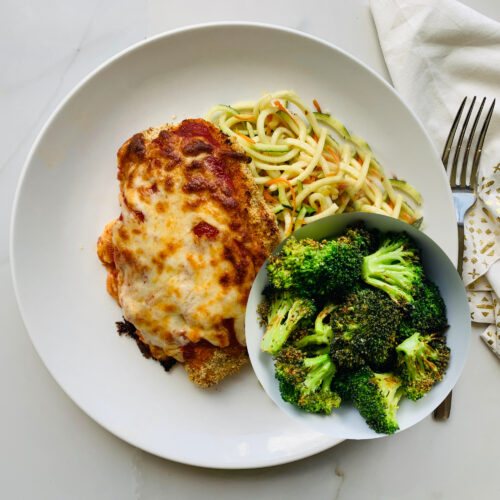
{"x":308,"y":165}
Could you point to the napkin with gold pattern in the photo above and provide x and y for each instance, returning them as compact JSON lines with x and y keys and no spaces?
{"x":438,"y":52}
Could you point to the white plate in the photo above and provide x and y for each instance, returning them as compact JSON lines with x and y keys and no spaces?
{"x":68,"y":192}
{"x":346,"y":422}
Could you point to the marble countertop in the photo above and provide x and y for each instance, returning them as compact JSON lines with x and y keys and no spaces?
{"x":49,"y":448}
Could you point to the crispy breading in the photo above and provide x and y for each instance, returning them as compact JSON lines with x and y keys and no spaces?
{"x":210,"y":364}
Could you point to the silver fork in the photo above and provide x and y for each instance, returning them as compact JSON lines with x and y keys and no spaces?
{"x":464,"y":192}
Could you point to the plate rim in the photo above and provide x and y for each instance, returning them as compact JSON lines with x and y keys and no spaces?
{"x":329,"y":441}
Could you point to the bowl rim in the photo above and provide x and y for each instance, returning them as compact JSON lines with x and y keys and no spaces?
{"x":374,"y":221}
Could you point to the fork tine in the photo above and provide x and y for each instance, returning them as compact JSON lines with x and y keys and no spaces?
{"x":469,"y":144}
{"x":453,"y":175}
{"x":479,"y":147}
{"x":451,"y":135}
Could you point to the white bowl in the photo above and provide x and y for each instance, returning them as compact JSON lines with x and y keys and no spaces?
{"x":345,"y":422}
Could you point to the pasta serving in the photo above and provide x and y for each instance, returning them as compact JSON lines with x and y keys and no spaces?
{"x":308,"y":165}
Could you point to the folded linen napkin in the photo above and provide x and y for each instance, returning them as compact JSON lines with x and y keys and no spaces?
{"x":438,"y":52}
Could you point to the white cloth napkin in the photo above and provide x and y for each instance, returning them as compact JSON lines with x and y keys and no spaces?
{"x":438,"y":52}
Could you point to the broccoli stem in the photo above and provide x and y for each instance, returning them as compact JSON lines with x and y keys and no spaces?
{"x":380,"y":270}
{"x":392,"y":290}
{"x":323,"y":333}
{"x":284,"y":316}
{"x":421,"y":364}
{"x":277,"y":331}
{"x":394,"y":268}
{"x":420,"y":352}
{"x":390,"y":388}
{"x":321,"y":371}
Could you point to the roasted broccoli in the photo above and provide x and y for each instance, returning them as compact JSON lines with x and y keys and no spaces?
{"x":313,"y":268}
{"x":306,"y":381}
{"x":282,"y":313}
{"x":422,"y":361}
{"x":299,"y":333}
{"x":371,"y":294}
{"x":366,"y":240}
{"x":427,"y":313}
{"x":376,"y":396}
{"x":341,"y":384}
{"x":395,"y":268}
{"x":365,"y":326}
{"x":322,"y":334}
{"x":344,"y":354}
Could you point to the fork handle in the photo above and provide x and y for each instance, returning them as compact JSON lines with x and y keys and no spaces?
{"x":442,"y":412}
{"x":460,"y":248}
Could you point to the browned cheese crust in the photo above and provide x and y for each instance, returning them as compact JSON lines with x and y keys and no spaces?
{"x":192,"y":234}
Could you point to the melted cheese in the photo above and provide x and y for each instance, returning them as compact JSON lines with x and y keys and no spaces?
{"x":192,"y":235}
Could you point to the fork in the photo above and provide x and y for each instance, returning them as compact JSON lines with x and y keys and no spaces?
{"x":464,"y":192}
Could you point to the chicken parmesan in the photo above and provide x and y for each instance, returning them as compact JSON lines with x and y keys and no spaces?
{"x":192,"y":234}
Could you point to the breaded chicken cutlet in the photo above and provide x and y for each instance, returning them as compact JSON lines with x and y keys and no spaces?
{"x":192,"y":235}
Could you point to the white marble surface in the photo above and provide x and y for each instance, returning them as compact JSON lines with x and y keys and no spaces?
{"x":52,"y":450}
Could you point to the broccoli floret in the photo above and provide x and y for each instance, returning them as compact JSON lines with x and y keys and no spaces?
{"x":422,"y":361}
{"x":306,"y":381}
{"x":376,"y":396}
{"x":427,"y":313}
{"x":299,"y":333}
{"x":395,"y":268}
{"x":322,"y":333}
{"x":341,"y":384}
{"x":313,"y":268}
{"x":283,"y":269}
{"x":282,"y":313}
{"x":365,"y":327}
{"x":344,"y":353}
{"x":366,"y":240}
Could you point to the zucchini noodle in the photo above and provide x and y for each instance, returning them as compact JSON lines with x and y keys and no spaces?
{"x":308,"y":165}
